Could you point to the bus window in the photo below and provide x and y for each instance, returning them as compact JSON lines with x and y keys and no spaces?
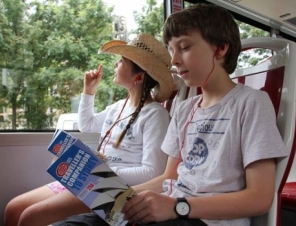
{"x":46,"y":46}
{"x":42,"y":69}
{"x":253,"y":56}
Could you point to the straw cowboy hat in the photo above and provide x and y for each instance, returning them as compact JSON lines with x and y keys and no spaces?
{"x":149,"y":54}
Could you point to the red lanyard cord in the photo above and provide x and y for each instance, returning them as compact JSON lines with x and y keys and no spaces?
{"x":108,"y":133}
{"x":116,"y":121}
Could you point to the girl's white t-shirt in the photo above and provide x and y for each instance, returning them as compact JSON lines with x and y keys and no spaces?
{"x":139,"y":157}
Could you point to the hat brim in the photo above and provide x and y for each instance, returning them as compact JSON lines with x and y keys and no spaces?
{"x":148,"y":62}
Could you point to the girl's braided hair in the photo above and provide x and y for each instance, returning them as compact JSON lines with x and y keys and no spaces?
{"x":148,"y":84}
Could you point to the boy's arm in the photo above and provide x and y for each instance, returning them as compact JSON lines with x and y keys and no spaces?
{"x":156,"y":183}
{"x":255,"y":199}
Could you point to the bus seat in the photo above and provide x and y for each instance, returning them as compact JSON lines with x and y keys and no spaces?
{"x":289,"y":190}
{"x":169,"y":102}
{"x":178,"y":95}
{"x":275,"y":76}
{"x":289,"y":196}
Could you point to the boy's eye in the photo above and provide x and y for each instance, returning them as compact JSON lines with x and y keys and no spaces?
{"x":184,"y":47}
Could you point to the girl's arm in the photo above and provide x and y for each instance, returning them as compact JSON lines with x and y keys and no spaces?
{"x":88,"y":121}
{"x":156,"y":183}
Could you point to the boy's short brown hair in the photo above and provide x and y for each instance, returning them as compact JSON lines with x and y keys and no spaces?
{"x":215,"y":24}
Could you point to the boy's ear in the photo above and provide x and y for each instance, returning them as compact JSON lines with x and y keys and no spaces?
{"x":221,"y":51}
{"x":219,"y":48}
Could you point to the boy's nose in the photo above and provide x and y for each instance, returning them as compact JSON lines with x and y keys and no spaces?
{"x":175,"y":59}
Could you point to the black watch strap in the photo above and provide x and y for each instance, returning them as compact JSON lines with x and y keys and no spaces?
{"x":182,"y":208}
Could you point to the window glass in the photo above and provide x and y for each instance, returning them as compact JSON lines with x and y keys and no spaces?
{"x":254,"y":56}
{"x":47,"y":45}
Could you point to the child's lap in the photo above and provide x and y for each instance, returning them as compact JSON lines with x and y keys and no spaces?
{"x":91,"y":219}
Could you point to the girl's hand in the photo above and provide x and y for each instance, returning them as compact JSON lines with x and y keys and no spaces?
{"x":92,"y":80}
{"x":149,"y":206}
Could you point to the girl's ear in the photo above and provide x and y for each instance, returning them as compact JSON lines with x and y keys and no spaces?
{"x":139,"y":78}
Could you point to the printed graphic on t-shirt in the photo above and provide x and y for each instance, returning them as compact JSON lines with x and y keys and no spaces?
{"x":197,"y":155}
{"x":115,"y":133}
{"x":109,"y":122}
{"x":199,"y":148}
{"x":114,"y":159}
{"x":209,"y":126}
{"x":129,"y":133}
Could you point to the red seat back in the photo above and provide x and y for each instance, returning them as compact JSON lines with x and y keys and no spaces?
{"x":276,"y":77}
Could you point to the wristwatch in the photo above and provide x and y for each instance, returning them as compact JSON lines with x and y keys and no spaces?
{"x":182,"y":208}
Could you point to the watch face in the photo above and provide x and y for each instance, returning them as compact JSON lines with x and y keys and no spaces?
{"x":182,"y":208}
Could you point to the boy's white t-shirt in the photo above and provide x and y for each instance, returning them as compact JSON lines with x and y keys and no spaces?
{"x":220,"y":141}
{"x":139,"y":157}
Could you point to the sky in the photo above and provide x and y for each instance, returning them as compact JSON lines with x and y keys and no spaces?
{"x":126,"y":8}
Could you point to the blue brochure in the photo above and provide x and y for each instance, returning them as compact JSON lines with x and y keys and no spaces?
{"x":90,"y":179}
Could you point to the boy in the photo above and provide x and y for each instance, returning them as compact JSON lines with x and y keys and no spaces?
{"x":222,"y":144}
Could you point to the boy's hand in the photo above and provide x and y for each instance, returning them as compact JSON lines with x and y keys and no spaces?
{"x":92,"y":80}
{"x":149,"y":206}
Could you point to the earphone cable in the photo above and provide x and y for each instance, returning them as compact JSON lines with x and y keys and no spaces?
{"x":185,"y":128}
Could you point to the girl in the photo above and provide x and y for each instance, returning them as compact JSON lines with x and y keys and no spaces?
{"x":132,"y":130}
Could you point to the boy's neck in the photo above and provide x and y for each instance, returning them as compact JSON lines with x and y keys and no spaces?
{"x":211,"y":95}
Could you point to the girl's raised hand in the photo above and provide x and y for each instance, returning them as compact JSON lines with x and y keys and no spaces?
{"x":92,"y":80}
